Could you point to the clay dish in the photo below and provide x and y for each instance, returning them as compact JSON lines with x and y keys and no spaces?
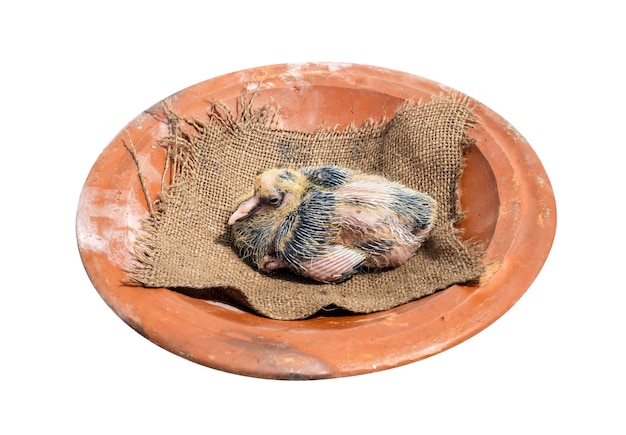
{"x":506,"y":195}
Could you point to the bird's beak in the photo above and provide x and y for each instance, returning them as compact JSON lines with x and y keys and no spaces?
{"x":245,"y":209}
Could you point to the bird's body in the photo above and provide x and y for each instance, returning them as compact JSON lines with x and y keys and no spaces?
{"x":328,"y":222}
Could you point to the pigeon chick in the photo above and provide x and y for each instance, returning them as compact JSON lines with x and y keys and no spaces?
{"x":328,"y":222}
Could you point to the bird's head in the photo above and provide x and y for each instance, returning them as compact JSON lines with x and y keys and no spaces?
{"x":275,"y":191}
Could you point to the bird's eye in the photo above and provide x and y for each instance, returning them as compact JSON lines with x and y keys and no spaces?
{"x":274,"y":200}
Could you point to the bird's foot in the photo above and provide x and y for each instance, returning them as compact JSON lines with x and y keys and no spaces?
{"x":270,"y":262}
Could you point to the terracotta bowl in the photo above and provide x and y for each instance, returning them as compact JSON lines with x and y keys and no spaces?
{"x":506,"y":196}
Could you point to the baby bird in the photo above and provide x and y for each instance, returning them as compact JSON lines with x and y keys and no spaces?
{"x":327,"y":222}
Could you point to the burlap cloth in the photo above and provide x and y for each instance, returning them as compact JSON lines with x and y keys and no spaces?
{"x":187,"y":243}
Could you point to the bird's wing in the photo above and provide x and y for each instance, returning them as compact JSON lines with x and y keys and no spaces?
{"x":337,"y":264}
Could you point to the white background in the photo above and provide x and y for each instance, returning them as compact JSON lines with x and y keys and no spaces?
{"x":74,"y":73}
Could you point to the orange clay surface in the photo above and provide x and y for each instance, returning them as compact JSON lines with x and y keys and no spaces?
{"x":505,"y":193}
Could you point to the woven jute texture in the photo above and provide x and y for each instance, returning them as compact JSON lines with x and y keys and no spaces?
{"x":187,"y":243}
